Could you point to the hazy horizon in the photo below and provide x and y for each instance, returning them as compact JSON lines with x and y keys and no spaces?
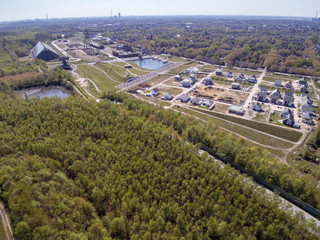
{"x":36,"y":9}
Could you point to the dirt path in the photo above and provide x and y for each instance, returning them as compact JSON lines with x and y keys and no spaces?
{"x":6,"y":223}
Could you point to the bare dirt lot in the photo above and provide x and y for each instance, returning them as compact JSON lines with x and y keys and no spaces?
{"x":222,"y":95}
{"x":21,"y":76}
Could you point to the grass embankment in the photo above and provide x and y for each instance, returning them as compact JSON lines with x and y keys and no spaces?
{"x":104,"y":83}
{"x":287,"y":134}
{"x":2,"y":231}
{"x":116,"y":72}
{"x":244,"y":132}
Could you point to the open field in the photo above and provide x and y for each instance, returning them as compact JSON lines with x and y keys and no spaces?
{"x":137,"y":72}
{"x":176,"y":59}
{"x":245,"y":72}
{"x":183,"y":67}
{"x":115,"y":72}
{"x":174,"y":91}
{"x":209,"y":68}
{"x":287,"y":134}
{"x":223,"y":108}
{"x":159,"y":79}
{"x":272,"y":77}
{"x":104,"y":83}
{"x":221,"y":94}
{"x":247,"y":133}
{"x":21,"y":76}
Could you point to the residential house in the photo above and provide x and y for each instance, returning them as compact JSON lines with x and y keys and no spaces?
{"x":288,"y":84}
{"x":306,"y":103}
{"x":240,"y":78}
{"x":187,"y":71}
{"x":187,"y":82}
{"x":307,"y":118}
{"x":235,"y":85}
{"x":195,"y":70}
{"x":304,"y":89}
{"x":207,"y":81}
{"x":219,"y":72}
{"x":208,"y":103}
{"x":196,"y":101}
{"x":167,"y":96}
{"x":288,"y":99}
{"x":193,"y":77}
{"x":275,"y":96}
{"x":229,"y":75}
{"x":155,"y":92}
{"x":252,"y":79}
{"x":287,"y":116}
{"x":178,"y":77}
{"x":278,"y":83}
{"x":183,"y":98}
{"x":236,"y":110}
{"x":257,"y":107}
{"x":302,"y":81}
{"x":262,"y":95}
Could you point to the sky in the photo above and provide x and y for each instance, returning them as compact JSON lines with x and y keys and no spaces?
{"x":32,"y":9}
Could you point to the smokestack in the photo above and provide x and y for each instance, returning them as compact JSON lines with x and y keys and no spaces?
{"x":111,"y":13}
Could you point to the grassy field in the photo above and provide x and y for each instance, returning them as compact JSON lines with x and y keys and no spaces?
{"x":272,"y":77}
{"x":288,"y":134}
{"x":137,"y":72}
{"x":176,"y":59}
{"x":209,"y":68}
{"x":115,"y":72}
{"x":247,"y":133}
{"x":245,"y":72}
{"x":159,"y":79}
{"x":221,"y":108}
{"x":183,"y":67}
{"x":104,"y":83}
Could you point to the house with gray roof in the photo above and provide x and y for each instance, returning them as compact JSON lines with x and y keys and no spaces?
{"x":257,"y":107}
{"x":288,"y":99}
{"x":44,"y":52}
{"x":196,"y":101}
{"x":178,"y":77}
{"x":187,"y":82}
{"x":303,"y":89}
{"x":252,"y":79}
{"x":183,"y":98}
{"x":236,"y":110}
{"x":155,"y":92}
{"x":207,"y":81}
{"x":167,"y":96}
{"x":278,"y":83}
{"x":219,"y":72}
{"x":240,"y":78}
{"x":262,"y":95}
{"x":306,"y":104}
{"x":275,"y":96}
{"x":229,"y":75}
{"x":287,"y":116}
{"x":235,"y":85}
{"x":303,"y":81}
{"x":208,"y":103}
{"x":307,"y":118}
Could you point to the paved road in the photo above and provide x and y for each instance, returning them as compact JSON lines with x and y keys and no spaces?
{"x":254,"y":90}
{"x":6,"y":223}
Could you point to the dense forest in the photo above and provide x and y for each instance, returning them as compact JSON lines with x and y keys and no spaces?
{"x":72,"y":169}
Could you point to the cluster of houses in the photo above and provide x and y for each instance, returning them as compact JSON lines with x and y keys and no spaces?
{"x":188,"y":81}
{"x":242,"y":78}
{"x":184,"y":98}
{"x":275,"y":97}
{"x":219,"y":72}
{"x":303,"y":84}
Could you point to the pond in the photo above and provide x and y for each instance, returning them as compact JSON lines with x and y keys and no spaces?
{"x":150,"y":63}
{"x":42,"y":92}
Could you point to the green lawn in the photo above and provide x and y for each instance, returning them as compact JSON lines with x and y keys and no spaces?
{"x":137,"y":72}
{"x":209,"y":68}
{"x":247,"y":133}
{"x":116,"y":72}
{"x":246,"y":72}
{"x":104,"y":83}
{"x":288,"y":134}
{"x":183,"y":67}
